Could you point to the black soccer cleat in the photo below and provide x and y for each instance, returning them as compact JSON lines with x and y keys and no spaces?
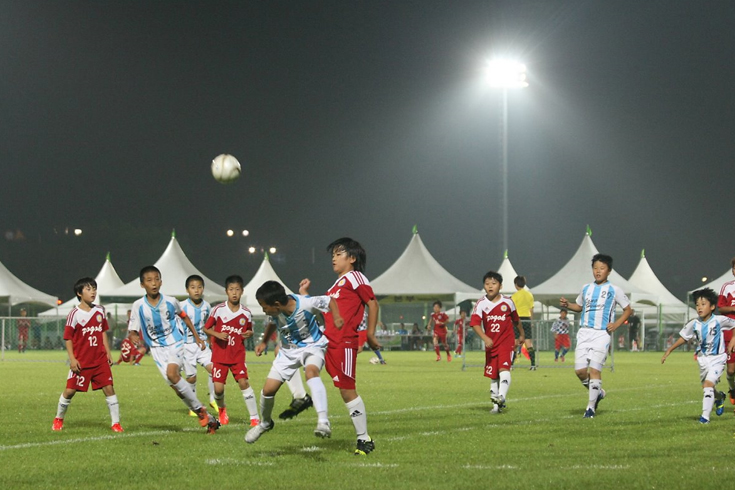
{"x":364,"y":447}
{"x":297,"y":406}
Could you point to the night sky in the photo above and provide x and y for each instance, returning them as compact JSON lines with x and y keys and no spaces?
{"x":364,"y":118}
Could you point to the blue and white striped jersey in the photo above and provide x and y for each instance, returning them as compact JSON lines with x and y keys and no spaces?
{"x":598,"y":304}
{"x":301,"y":328}
{"x":158,"y":323}
{"x":710,"y":340}
{"x":198,"y":316}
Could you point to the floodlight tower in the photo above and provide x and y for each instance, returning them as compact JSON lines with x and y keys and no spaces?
{"x":505,"y":75}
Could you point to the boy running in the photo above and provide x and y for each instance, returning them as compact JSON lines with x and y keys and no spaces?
{"x":89,"y":353}
{"x":229,"y":325}
{"x":560,"y":329}
{"x":459,"y":325}
{"x":494,"y":319}
{"x":597,"y":303}
{"x":439,"y":319}
{"x":302,"y":345}
{"x":711,"y":349}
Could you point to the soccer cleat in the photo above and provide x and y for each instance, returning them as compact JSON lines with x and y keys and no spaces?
{"x":720,"y":404}
{"x":438,"y":358}
{"x":224,"y":419}
{"x":364,"y":447}
{"x":533,"y":368}
{"x":214,"y":405}
{"x":192,"y":414}
{"x":562,"y":358}
{"x":449,"y":357}
{"x":58,"y":424}
{"x":254,"y":422}
{"x":382,"y":361}
{"x":498,"y":400}
{"x":323,"y":430}
{"x":257,"y":431}
{"x":732,"y":396}
{"x":589,"y":414}
{"x":297,"y":406}
{"x":117,"y":428}
{"x":703,"y":420}
{"x":600,"y":397}
{"x":495,"y":409}
{"x":213,"y":425}
{"x":203,"y":416}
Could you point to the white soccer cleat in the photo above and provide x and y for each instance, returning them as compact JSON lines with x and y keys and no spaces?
{"x":323,"y":430}
{"x":257,"y":431}
{"x":496,"y":409}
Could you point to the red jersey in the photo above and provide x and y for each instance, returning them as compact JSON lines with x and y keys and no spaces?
{"x":86,"y":329}
{"x":440,"y":322}
{"x":497,"y":319}
{"x":234,"y":323}
{"x":459,"y":325}
{"x":727,"y":297}
{"x":352,"y":292}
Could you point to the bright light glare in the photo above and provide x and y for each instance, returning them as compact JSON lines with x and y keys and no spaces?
{"x":245,"y":233}
{"x":704,"y":279}
{"x":230,"y":233}
{"x":251,"y":250}
{"x":77,"y":231}
{"x":272,"y":250}
{"x":506,"y":74}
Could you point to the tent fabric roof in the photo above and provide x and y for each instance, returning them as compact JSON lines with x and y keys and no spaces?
{"x":644,"y":278}
{"x":506,"y":270}
{"x":416,"y":272}
{"x":13,"y":291}
{"x":570,"y":279}
{"x":717,"y":284}
{"x":175,"y":267}
{"x":265,"y":273}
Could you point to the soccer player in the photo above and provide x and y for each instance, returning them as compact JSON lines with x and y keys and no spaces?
{"x":523,"y":299}
{"x":494,"y":319}
{"x":439,"y":319}
{"x":89,"y":353}
{"x":353,"y":294}
{"x":560,"y":329}
{"x":362,"y":339}
{"x":726,"y":305}
{"x":459,"y":325}
{"x":24,"y":325}
{"x":130,"y":353}
{"x":711,"y":349}
{"x":197,"y":309}
{"x":597,"y":303}
{"x":229,"y":325}
{"x":302,"y":345}
{"x":155,"y":315}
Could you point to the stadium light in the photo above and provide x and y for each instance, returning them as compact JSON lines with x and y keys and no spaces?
{"x":230,"y":233}
{"x":251,"y":250}
{"x":245,"y":233}
{"x":272,"y":250}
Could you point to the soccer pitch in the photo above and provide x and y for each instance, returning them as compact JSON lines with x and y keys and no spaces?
{"x":430,"y":422}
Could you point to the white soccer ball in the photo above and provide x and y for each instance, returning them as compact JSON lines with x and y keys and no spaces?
{"x":226,"y":169}
{"x":374,"y":360}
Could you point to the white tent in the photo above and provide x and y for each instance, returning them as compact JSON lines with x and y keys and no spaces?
{"x":570,"y":279}
{"x":175,"y":267}
{"x":265,"y":273}
{"x":669,"y":306}
{"x":717,"y":284}
{"x":13,"y":291}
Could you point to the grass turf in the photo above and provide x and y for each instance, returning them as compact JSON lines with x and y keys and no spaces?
{"x":430,"y":421}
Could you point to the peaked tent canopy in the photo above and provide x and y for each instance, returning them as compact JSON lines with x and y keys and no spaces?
{"x":417,"y":274}
{"x":717,"y":284}
{"x":644,"y":278}
{"x":175,"y":267}
{"x":570,"y":279}
{"x":265,"y":273}
{"x":506,"y":270}
{"x":13,"y":291}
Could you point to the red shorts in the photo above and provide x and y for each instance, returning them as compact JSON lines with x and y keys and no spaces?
{"x":219,"y":371}
{"x":441,"y":338}
{"x":340,"y":363}
{"x":562,"y":340}
{"x":100,"y":376}
{"x":23,"y":335}
{"x":460,"y":336}
{"x":361,"y":338}
{"x":498,"y":359}
{"x":727,"y":336}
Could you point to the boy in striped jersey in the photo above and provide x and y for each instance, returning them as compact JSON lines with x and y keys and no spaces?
{"x":712,"y":352}
{"x":597,"y":303}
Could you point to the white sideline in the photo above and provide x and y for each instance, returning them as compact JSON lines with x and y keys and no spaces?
{"x":85,"y":439}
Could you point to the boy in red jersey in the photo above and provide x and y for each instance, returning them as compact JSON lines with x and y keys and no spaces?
{"x":230,"y":324}
{"x":353,"y":293}
{"x":24,"y":325}
{"x":726,"y":306}
{"x":130,"y":353}
{"x":439,"y":318}
{"x":459,"y":332}
{"x":89,"y":353}
{"x":493,"y":320}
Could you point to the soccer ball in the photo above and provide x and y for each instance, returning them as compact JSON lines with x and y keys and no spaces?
{"x":226,"y":169}
{"x":374,"y":360}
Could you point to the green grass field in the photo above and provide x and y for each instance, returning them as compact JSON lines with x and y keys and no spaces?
{"x":430,"y":421}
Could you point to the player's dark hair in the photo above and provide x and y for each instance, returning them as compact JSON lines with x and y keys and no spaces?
{"x":234,"y":279}
{"x":149,"y":268}
{"x":493,"y":275}
{"x":705,"y":293}
{"x":353,"y":250}
{"x":732,"y":262}
{"x":271,"y":292}
{"x":520,"y":281}
{"x":193,"y":277}
{"x":605,"y":259}
{"x":437,"y":302}
{"x":82,"y":283}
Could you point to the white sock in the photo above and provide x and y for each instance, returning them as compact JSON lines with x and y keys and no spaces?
{"x":319,"y":396}
{"x":595,"y":390}
{"x":356,"y":408}
{"x":266,"y":407}
{"x":707,"y":402}
{"x":731,"y":381}
{"x":494,"y":387}
{"x":193,"y":386}
{"x":210,"y":384}
{"x":114,"y":408}
{"x":586,"y":384}
{"x":249,"y":396}
{"x":296,"y":385}
{"x":187,"y":395}
{"x":504,"y":383}
{"x":63,"y":405}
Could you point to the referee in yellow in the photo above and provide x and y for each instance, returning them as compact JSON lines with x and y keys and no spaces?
{"x":523,"y":300}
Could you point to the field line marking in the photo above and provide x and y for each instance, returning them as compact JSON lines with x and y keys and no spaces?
{"x":85,"y":439}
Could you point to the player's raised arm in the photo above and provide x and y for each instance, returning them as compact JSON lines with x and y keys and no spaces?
{"x":304,"y":286}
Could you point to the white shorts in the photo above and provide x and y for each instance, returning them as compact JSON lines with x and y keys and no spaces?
{"x":711,"y":367}
{"x":168,"y":354}
{"x":591,"y":348}
{"x":288,"y":361}
{"x":193,"y":355}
